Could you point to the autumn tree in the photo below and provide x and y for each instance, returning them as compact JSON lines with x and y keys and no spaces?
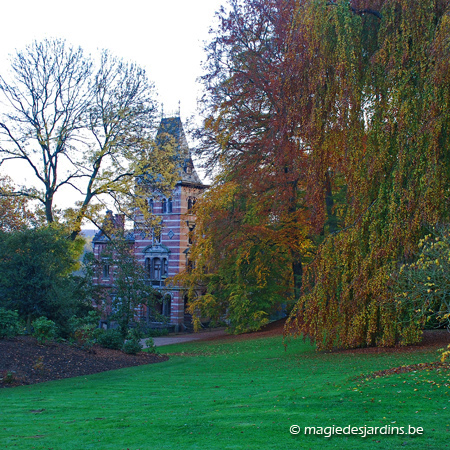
{"x":240,"y":260}
{"x":336,"y":109}
{"x":77,"y":124}
{"x":381,"y":83}
{"x":251,"y":135}
{"x":16,"y":212}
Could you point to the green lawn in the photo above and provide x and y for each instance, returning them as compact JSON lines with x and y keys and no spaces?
{"x":233,"y":395}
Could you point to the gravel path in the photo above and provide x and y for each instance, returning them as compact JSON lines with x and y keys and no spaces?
{"x":186,"y":337}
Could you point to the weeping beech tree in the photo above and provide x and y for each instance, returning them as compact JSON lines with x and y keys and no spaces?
{"x":338,"y":109}
{"x":381,"y":122}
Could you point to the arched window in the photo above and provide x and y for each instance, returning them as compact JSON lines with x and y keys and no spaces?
{"x":164,"y":205}
{"x":150,"y":205}
{"x":189,"y":204}
{"x":169,"y":205}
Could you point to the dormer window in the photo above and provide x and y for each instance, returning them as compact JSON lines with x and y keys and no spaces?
{"x":188,"y":166}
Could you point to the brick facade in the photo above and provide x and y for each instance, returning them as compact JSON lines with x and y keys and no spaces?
{"x":166,"y":255}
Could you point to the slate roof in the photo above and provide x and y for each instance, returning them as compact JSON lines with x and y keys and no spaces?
{"x":171,"y":131}
{"x":113,"y":222}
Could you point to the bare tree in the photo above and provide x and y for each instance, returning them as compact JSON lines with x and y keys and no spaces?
{"x":79,"y":124}
{"x":47,"y":98}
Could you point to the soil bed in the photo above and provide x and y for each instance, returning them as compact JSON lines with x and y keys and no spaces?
{"x":27,"y":362}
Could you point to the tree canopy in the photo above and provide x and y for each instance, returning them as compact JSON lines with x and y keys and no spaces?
{"x":16,"y":212}
{"x":36,"y":274}
{"x":334,"y":115}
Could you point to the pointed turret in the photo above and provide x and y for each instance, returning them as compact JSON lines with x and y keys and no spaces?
{"x":171,"y":131}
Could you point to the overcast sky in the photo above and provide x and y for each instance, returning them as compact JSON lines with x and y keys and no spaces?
{"x":163,"y":36}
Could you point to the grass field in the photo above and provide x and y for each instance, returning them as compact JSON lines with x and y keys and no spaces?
{"x":234,"y":395}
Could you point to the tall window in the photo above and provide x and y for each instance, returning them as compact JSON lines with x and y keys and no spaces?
{"x":156,"y":269}
{"x":150,"y":205}
{"x":164,"y":205}
{"x":189,"y":204}
{"x":169,"y":205}
{"x":164,"y":268}
{"x":105,"y":270}
{"x":166,"y":306}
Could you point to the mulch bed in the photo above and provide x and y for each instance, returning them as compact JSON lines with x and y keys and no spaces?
{"x":30,"y":363}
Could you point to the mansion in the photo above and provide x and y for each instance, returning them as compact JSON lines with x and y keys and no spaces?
{"x":164,"y":254}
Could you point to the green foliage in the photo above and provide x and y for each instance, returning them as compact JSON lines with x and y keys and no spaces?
{"x":36,"y":278}
{"x":156,"y":332}
{"x":132,"y":346}
{"x":242,"y":257}
{"x":135,"y":333}
{"x":9,"y":323}
{"x":150,"y":345}
{"x":110,"y":338}
{"x":85,"y":329}
{"x":44,"y":330}
{"x":131,"y":288}
{"x":422,"y":288}
{"x":8,"y":376}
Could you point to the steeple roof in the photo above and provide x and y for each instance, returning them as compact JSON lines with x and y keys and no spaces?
{"x":170,"y":132}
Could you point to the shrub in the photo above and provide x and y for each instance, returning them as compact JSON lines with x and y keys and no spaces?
{"x":9,"y":323}
{"x":110,"y":339}
{"x":423,"y":286}
{"x":150,"y":345}
{"x":44,"y":329}
{"x":132,"y":346}
{"x":157,"y":332}
{"x":84,"y":330}
{"x":135,"y":334}
{"x":8,"y":376}
{"x":85,"y":336}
